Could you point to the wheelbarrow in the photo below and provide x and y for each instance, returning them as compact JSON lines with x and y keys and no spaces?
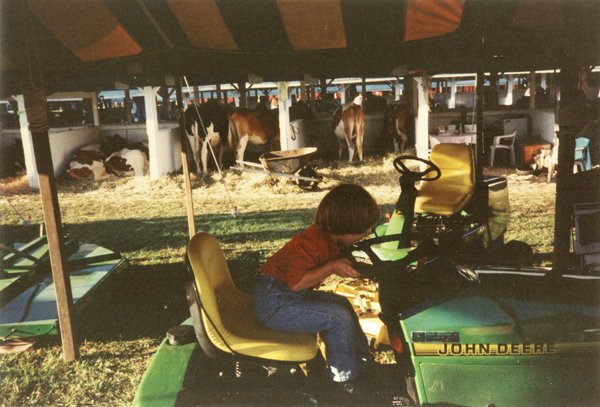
{"x":286,"y":164}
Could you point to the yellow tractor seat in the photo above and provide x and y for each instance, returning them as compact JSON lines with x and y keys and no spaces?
{"x":450,"y":193}
{"x":224,"y":316}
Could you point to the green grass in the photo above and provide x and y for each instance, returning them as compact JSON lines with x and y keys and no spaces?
{"x":106,"y":374}
{"x":145,"y":220}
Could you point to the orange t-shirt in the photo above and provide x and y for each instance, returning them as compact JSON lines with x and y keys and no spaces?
{"x":306,"y":250}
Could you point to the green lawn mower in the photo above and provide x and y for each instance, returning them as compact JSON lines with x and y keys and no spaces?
{"x":475,"y":335}
{"x":463,"y":333}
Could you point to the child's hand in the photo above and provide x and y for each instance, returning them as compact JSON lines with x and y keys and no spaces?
{"x":343,"y":268}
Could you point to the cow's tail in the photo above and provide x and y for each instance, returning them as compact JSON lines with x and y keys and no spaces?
{"x":337,"y":117}
{"x":384,"y":128}
{"x":233,"y":137}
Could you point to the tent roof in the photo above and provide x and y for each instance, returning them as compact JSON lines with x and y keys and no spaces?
{"x":91,"y":44}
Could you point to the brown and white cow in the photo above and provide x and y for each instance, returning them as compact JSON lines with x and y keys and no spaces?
{"x":258,"y":127}
{"x":396,"y":122}
{"x":113,"y":143}
{"x":88,"y":162}
{"x":127,"y":162}
{"x":349,"y":124}
{"x":12,"y":158}
{"x":210,"y":126}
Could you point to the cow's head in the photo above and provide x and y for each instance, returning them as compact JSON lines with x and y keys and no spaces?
{"x":113,"y":144}
{"x":358,"y":100}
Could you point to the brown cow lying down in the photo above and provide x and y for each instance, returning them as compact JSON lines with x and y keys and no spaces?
{"x":91,"y":161}
{"x":349,"y":124}
{"x":88,"y":162}
{"x":127,"y":162}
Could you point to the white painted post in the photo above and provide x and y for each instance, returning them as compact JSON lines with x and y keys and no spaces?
{"x":509,"y":91}
{"x":452,"y":100}
{"x":95,"y":112}
{"x":343,"y":97}
{"x":27,"y":141}
{"x":284,"y":114}
{"x":422,"y":119}
{"x":219,"y":93}
{"x":397,"y":90}
{"x":154,"y":143}
{"x":543,"y":81}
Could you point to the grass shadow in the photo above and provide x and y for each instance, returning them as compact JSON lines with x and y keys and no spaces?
{"x":146,"y":300}
{"x":141,"y":301}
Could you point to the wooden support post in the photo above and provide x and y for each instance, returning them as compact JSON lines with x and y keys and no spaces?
{"x":35,"y":102}
{"x":323,"y":88}
{"x":532,"y":89}
{"x":493,"y":102}
{"x":409,"y":91}
{"x":184,"y":160}
{"x":197,"y":94}
{"x":569,"y":119}
{"x":479,"y":121}
{"x":303,"y":91}
{"x":243,"y":93}
{"x":219,"y":93}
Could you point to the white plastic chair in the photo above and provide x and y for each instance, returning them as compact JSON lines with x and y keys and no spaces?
{"x":507,"y":142}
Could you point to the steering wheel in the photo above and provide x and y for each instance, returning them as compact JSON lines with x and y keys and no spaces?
{"x":423,"y":245}
{"x":401,"y":167}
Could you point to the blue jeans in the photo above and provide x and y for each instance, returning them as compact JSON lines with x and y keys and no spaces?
{"x":310,"y":311}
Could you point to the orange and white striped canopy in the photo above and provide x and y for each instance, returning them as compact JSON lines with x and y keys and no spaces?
{"x":77,"y":40}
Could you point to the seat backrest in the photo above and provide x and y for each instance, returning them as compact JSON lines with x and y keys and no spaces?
{"x":581,"y":144}
{"x":223,"y":316}
{"x":505,"y":140}
{"x":213,"y":282}
{"x":433,"y":142}
{"x":582,"y":152}
{"x":456,"y":165}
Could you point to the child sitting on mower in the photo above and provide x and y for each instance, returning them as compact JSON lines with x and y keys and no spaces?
{"x":285,"y":298}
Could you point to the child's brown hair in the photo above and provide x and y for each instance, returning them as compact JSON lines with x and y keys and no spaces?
{"x":347,"y":209}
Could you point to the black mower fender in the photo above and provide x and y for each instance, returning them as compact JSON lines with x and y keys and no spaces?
{"x":375,"y":267}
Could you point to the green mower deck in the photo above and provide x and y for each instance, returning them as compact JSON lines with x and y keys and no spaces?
{"x":27,"y":292}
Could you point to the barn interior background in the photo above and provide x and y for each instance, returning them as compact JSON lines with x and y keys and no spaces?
{"x":100,"y":45}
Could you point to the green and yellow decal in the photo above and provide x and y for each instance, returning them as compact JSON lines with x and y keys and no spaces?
{"x":502,"y":349}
